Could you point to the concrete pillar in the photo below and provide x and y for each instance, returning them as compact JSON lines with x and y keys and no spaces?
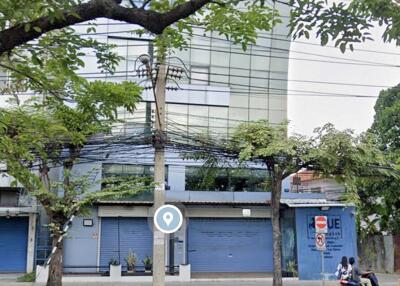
{"x":176,"y":177}
{"x":42,"y":273}
{"x":185,"y":272}
{"x":115,"y":272}
{"x":183,"y":236}
{"x":30,"y":257}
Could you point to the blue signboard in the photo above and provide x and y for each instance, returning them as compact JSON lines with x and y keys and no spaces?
{"x":340,"y":240}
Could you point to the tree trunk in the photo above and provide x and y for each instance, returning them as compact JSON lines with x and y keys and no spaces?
{"x":276,"y":229}
{"x":56,"y":264}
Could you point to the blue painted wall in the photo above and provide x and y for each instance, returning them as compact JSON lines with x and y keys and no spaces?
{"x":341,"y":240}
{"x":80,"y":245}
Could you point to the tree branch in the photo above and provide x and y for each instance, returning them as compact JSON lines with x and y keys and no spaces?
{"x":152,"y":21}
{"x":183,"y":11}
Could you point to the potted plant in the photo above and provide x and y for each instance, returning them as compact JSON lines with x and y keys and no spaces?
{"x":115,"y":268}
{"x":130,"y":261}
{"x":292,"y":268}
{"x":148,"y":264}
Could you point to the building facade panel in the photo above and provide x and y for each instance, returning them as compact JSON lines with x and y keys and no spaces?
{"x":81,"y":243}
{"x":341,"y":240}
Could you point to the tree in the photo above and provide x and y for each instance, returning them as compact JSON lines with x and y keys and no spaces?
{"x":345,"y":22}
{"x":50,"y":131}
{"x":22,"y":22}
{"x":331,"y":153}
{"x":380,"y":201}
{"x":49,"y":64}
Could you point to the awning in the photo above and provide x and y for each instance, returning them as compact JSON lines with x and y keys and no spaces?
{"x":309,"y":203}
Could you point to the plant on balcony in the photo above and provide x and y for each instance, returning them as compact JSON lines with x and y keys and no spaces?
{"x":130,"y":260}
{"x":292,"y":268}
{"x":114,"y":262}
{"x":148,"y":263}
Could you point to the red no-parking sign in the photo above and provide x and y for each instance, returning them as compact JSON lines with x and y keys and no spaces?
{"x":321,"y":224}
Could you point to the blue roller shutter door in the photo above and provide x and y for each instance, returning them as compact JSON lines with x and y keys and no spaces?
{"x":230,"y":245}
{"x":119,"y":235}
{"x":13,"y":244}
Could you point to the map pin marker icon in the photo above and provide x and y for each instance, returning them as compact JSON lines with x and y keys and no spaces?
{"x":168,"y":217}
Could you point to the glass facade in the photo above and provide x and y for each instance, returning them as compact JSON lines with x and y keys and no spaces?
{"x":225,"y":179}
{"x":125,"y":170}
{"x":256,"y":78}
{"x":254,"y":82}
{"x":289,"y":257}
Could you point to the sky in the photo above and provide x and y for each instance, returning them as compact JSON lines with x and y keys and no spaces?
{"x":372,"y":63}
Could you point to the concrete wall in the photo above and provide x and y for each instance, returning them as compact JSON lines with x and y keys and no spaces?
{"x":227,"y":212}
{"x":81,"y":244}
{"x":377,"y":253}
{"x":124,"y":211}
{"x":341,"y":240}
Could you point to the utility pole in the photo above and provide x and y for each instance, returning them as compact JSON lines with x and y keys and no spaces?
{"x":159,"y":174}
{"x":159,"y":140}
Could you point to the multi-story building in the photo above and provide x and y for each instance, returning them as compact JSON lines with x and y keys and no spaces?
{"x":222,"y":87}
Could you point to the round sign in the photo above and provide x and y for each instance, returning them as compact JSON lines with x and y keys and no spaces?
{"x":321,"y":222}
{"x":320,"y":240}
{"x":168,"y":219}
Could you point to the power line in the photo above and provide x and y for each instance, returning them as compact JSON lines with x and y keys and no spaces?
{"x":348,"y":61}
{"x":262,"y":35}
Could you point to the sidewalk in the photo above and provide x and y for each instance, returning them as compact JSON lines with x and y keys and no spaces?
{"x":384,"y":279}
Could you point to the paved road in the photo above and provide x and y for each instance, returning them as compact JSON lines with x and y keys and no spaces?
{"x":385,"y":280}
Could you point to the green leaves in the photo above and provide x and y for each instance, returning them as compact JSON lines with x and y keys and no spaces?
{"x":20,"y":11}
{"x":115,"y":188}
{"x":260,"y":140}
{"x":330,"y":152}
{"x":387,"y":119}
{"x":380,"y":194}
{"x":34,"y":135}
{"x":240,"y":24}
{"x":343,"y":22}
{"x":236,"y":20}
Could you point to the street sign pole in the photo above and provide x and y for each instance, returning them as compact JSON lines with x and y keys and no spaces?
{"x":323,"y":267}
{"x":320,"y":244}
{"x":321,"y":228}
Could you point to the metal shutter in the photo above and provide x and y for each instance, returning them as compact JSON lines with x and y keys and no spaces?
{"x":230,"y":245}
{"x":13,"y":244}
{"x":119,"y":235}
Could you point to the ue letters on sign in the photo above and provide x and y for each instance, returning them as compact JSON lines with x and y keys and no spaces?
{"x":320,"y":241}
